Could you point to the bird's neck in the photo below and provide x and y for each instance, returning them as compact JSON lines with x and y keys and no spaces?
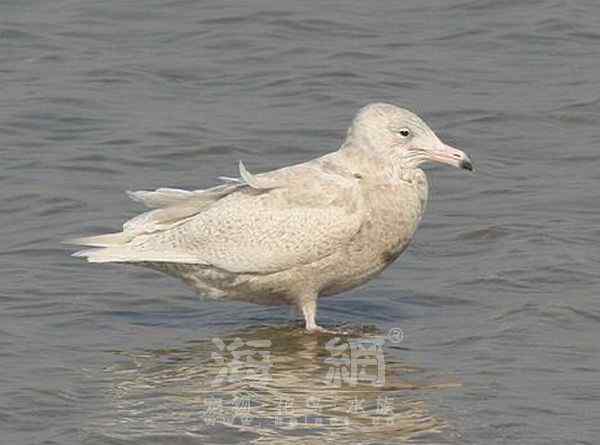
{"x":368,"y":162}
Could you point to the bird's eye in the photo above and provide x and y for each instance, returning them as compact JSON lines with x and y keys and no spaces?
{"x":405,"y":132}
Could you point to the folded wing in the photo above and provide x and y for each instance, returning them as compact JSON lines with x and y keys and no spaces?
{"x":262,"y":227}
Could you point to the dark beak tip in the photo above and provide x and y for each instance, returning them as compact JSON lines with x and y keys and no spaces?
{"x":467,"y":165}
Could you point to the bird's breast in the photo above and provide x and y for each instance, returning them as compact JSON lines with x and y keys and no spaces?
{"x":392,"y":214}
{"x":394,"y":211}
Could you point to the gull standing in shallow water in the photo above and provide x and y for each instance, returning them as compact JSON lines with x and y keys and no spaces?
{"x":295,"y":234}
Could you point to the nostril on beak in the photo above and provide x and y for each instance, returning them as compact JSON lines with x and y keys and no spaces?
{"x":467,"y":165}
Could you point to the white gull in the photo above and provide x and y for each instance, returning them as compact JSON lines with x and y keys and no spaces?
{"x":295,"y":234}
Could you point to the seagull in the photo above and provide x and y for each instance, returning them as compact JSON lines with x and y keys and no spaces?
{"x":295,"y":234}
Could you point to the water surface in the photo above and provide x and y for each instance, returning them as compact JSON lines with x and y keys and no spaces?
{"x":497,"y":296}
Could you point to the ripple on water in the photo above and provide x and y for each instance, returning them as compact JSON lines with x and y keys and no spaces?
{"x":158,"y":392}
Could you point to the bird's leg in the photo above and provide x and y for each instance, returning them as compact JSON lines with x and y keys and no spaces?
{"x":308,"y":307}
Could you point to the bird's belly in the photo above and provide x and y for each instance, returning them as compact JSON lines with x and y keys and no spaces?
{"x":268,"y":289}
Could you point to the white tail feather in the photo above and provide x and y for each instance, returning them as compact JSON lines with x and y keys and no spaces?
{"x":161,"y":197}
{"x":129,"y":255}
{"x":171,"y":207}
{"x":107,"y":240}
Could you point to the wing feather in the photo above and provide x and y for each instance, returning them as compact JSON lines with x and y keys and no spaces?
{"x":248,"y":230}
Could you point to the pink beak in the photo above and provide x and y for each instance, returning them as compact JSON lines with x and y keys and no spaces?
{"x":451,"y":156}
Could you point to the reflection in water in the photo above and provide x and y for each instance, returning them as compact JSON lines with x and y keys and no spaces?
{"x":266,"y":385}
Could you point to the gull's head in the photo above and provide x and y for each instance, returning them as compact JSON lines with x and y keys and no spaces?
{"x":403,"y":136}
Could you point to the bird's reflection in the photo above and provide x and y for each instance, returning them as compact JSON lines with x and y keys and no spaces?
{"x":269,"y":385}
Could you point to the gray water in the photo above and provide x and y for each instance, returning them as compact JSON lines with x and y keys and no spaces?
{"x":497,"y":297}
